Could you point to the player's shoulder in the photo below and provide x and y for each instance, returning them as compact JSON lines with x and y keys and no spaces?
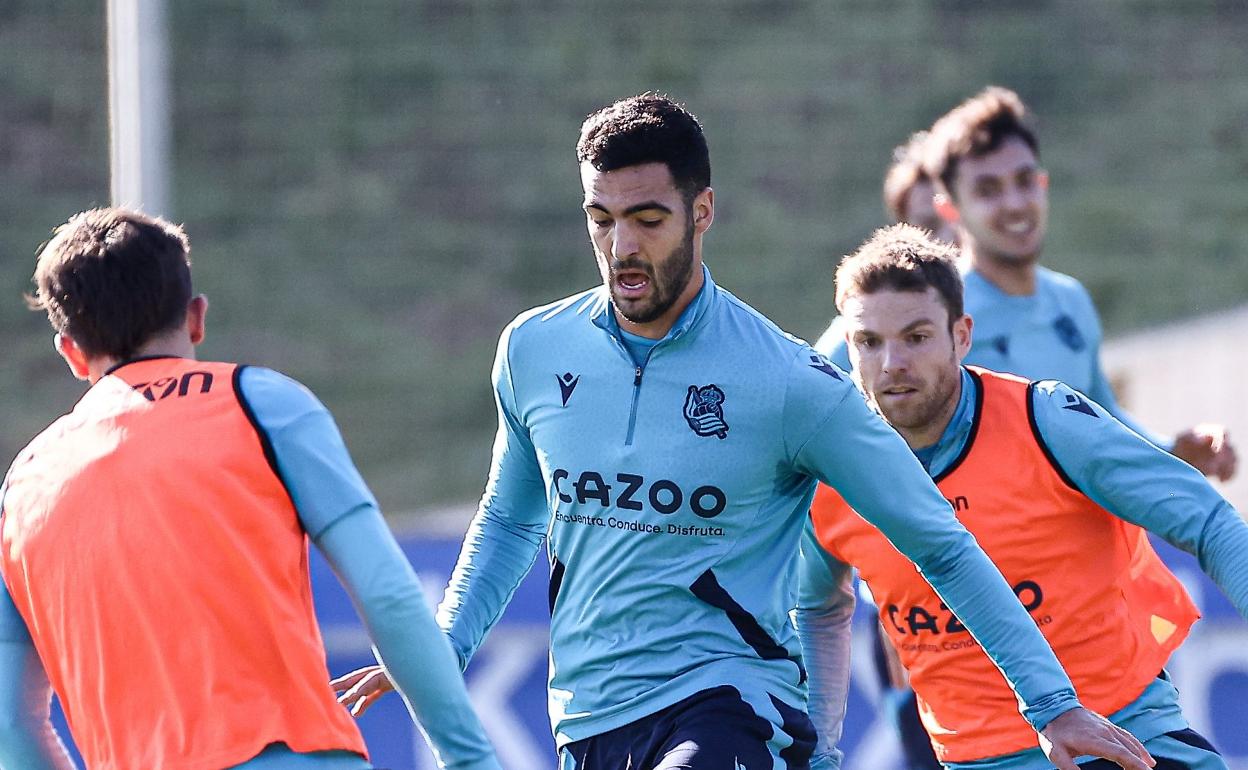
{"x":1060,"y":399}
{"x":1060,"y":283}
{"x":761,"y":329}
{"x":774,"y":348}
{"x":266,"y":391}
{"x":559,"y":317}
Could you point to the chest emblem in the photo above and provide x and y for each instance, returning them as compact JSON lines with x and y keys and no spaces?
{"x":1069,"y":333}
{"x":567,"y":384}
{"x":704,"y":411}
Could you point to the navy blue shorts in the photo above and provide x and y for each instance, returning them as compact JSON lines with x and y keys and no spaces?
{"x":714,"y":729}
{"x":1179,"y":750}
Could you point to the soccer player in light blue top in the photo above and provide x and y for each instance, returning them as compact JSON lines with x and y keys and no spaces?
{"x":901,"y":300}
{"x":665,"y":439}
{"x":1032,"y":321}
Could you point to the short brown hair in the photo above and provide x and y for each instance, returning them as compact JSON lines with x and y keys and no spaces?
{"x":111,"y":279}
{"x":902,"y":257}
{"x":975,"y":127}
{"x":901,"y":177}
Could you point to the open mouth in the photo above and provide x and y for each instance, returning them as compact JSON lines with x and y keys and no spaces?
{"x":632,"y":283}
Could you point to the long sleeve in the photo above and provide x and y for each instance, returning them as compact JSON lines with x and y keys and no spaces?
{"x":1102,"y":393}
{"x":27,"y":739}
{"x":340,"y":514}
{"x":505,"y":534}
{"x":416,"y":654}
{"x":1145,"y":485}
{"x":841,"y":442}
{"x":825,"y":609}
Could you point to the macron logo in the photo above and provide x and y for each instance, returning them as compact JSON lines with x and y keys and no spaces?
{"x":567,"y":384}
{"x":1076,"y":404}
{"x":817,"y":362}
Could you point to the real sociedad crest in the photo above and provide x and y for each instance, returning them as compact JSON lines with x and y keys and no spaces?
{"x":704,"y":411}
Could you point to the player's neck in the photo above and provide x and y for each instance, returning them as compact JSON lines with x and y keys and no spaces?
{"x":174,"y":345}
{"x":1016,"y":277}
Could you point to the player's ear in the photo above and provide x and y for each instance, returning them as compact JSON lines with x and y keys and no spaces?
{"x":75,"y":357}
{"x":946,"y":208}
{"x":703,"y":210}
{"x":196,"y":309}
{"x":962,"y":336}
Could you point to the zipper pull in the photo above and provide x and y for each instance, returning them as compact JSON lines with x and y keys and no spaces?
{"x":637,"y":379}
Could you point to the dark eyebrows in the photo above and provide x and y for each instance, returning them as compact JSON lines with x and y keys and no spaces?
{"x":910,"y":327}
{"x":914,"y":325}
{"x":636,"y":208}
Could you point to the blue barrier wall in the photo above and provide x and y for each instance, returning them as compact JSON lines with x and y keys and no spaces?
{"x":507,"y":678}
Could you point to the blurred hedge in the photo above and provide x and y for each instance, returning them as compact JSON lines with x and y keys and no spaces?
{"x":374,"y":188}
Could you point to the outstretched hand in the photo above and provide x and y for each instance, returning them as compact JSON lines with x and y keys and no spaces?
{"x":1080,"y":732}
{"x":361,"y":688}
{"x":1207,"y":448}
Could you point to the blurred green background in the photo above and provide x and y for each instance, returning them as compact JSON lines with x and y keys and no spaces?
{"x":373,"y":189}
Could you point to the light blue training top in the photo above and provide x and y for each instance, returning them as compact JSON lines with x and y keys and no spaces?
{"x":1129,"y":477}
{"x":1053,"y":334}
{"x":672,"y":492}
{"x":342,"y":518}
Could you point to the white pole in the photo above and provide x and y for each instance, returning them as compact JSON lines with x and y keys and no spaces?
{"x":138,"y":105}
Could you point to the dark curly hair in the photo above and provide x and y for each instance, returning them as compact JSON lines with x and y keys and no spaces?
{"x":648,"y":128}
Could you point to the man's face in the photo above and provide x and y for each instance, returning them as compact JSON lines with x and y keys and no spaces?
{"x":906,"y":359}
{"x":643,"y":236}
{"x":921,"y":211}
{"x":1003,"y":203}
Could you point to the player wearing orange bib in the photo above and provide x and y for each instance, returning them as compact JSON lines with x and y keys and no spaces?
{"x":1056,"y":491}
{"x":154,"y":544}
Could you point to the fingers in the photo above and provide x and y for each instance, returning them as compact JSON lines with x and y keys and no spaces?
{"x":1135,"y":747}
{"x":366,"y":690}
{"x":1224,"y":455}
{"x":347,"y":681}
{"x":1061,"y":760}
{"x":363,"y":704}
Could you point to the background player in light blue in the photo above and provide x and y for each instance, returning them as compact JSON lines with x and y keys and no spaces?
{"x":1030,"y":320}
{"x":665,"y":439}
{"x":901,"y":299}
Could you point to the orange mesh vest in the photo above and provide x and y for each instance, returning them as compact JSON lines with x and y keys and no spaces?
{"x":1108,"y":606}
{"x":159,"y":563}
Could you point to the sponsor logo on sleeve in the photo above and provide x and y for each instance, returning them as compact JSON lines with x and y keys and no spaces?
{"x":819,"y":363}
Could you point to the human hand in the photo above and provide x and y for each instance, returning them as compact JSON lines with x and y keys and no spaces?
{"x":361,"y":688}
{"x":1207,"y":448}
{"x":1080,"y":732}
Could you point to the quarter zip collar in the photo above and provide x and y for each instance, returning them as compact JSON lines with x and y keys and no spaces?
{"x":693,"y":316}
